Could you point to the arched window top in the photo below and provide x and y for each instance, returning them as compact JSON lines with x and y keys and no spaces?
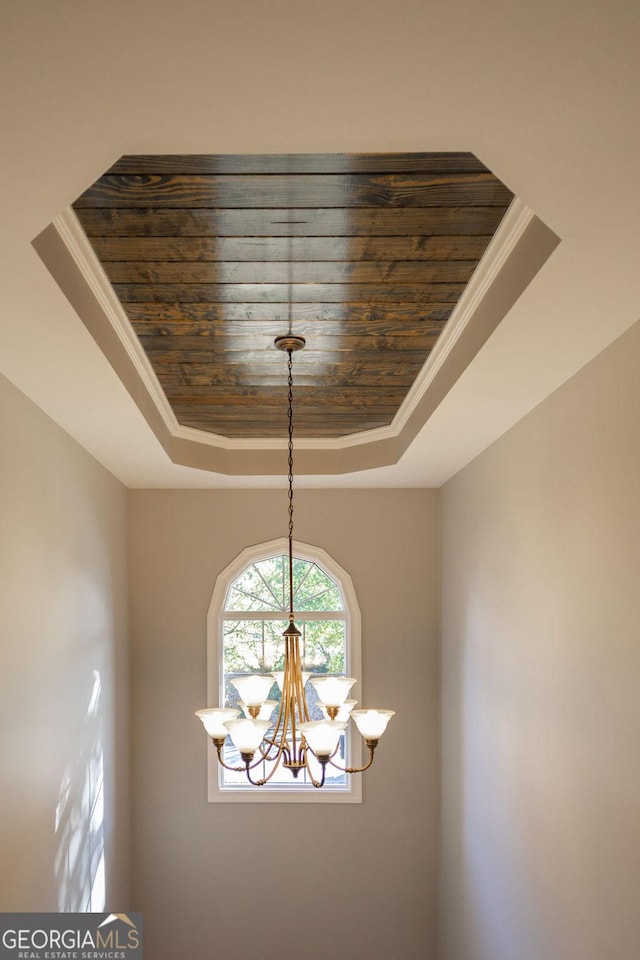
{"x":304,"y":553}
{"x":263,"y":586}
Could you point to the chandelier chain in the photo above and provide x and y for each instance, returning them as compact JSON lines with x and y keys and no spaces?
{"x":290,"y":401}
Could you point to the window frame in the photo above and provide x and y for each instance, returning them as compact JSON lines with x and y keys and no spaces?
{"x":353,"y":667}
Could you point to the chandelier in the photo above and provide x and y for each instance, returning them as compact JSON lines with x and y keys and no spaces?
{"x":293,"y":737}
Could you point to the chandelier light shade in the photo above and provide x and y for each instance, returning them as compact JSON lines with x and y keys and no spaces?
{"x":332,"y":691}
{"x":289,"y":737}
{"x":253,"y":690}
{"x":214,"y":719}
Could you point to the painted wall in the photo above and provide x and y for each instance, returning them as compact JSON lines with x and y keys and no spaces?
{"x":283,"y":881}
{"x":63,"y":670}
{"x":541,"y":680}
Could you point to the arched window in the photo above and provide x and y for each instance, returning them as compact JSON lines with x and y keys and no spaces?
{"x":248,"y":614}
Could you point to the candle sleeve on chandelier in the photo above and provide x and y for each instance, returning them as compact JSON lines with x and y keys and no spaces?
{"x":372,"y":723}
{"x":265,"y":709}
{"x":332,"y":691}
{"x":214,"y":718}
{"x":254,"y":689}
{"x":322,"y":735}
{"x":343,"y":711}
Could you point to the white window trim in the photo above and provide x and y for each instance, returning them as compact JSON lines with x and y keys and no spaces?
{"x":353,"y":667}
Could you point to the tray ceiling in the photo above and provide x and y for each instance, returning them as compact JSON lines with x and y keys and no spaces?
{"x":211,"y":257}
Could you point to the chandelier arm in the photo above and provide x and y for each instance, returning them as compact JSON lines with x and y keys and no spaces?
{"x":248,"y":766}
{"x":286,"y":716}
{"x":365,"y":767}
{"x":280,"y":717}
{"x":289,"y":684}
{"x":316,"y":783}
{"x":228,"y":766}
{"x":276,"y":764}
{"x":284,"y":749}
{"x":254,"y":783}
{"x":265,"y":753}
{"x":331,"y":761}
{"x":303,"y":709}
{"x":294,"y":695}
{"x":273,"y":741}
{"x":279,"y":736}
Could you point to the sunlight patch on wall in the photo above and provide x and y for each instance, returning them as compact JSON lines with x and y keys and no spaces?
{"x":79,"y":819}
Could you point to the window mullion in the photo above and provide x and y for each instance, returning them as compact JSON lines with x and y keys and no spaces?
{"x":280,"y":615}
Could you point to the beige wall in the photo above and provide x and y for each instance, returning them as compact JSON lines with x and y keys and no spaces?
{"x":63,"y":670}
{"x":283,"y":881}
{"x":541,"y":667}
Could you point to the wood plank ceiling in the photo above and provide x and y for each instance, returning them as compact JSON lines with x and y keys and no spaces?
{"x":364,"y":255}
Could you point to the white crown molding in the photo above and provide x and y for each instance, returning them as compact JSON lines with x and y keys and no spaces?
{"x":77,"y":243}
{"x":267,"y":443}
{"x":193,"y":435}
{"x":500,"y":247}
{"x":513,"y":225}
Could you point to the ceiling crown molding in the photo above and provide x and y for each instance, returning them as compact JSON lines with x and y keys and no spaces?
{"x":507,"y":236}
{"x":65,"y":244}
{"x":77,"y":243}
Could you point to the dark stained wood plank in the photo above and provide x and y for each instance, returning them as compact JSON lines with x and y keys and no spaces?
{"x":298,"y":190}
{"x":286,"y":293}
{"x":274,"y":314}
{"x":259,"y":413}
{"x":350,"y":409}
{"x":246,"y":374}
{"x":205,"y":380}
{"x":276,"y":395}
{"x":315,"y":410}
{"x":262,"y":249}
{"x":223,"y":343}
{"x":207,"y":353}
{"x":420,"y":221}
{"x":349,"y":370}
{"x":293,"y":163}
{"x":311,"y":329}
{"x":336,"y":271}
{"x":315,"y":413}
